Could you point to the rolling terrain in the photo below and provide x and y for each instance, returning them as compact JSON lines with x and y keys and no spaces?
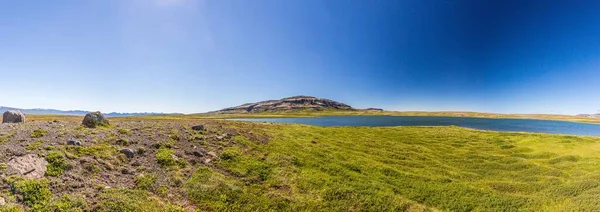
{"x":241,"y":166}
{"x":40,"y":111}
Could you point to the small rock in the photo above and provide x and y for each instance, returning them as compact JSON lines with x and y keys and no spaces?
{"x":85,"y":160}
{"x":2,"y":201}
{"x":207,"y":161}
{"x":13,"y":116}
{"x":198,"y":127}
{"x":212,"y":154}
{"x":198,"y":154}
{"x":155,"y":145}
{"x":128,"y":152}
{"x":223,"y":136}
{"x":74,"y":142}
{"x":94,"y":119}
{"x":126,"y":171}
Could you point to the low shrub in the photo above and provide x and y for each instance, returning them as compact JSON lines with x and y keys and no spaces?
{"x":38,"y":133}
{"x":57,"y":164}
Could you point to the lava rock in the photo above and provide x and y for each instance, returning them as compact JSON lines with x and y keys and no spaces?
{"x":74,"y":142}
{"x":128,"y":152}
{"x":199,"y":127}
{"x":221,"y":137}
{"x":198,"y":153}
{"x":94,"y":119}
{"x":13,"y":116}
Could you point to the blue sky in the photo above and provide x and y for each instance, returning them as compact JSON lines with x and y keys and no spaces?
{"x":194,"y":56}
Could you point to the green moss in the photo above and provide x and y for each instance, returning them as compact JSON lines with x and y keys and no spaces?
{"x":132,"y":200}
{"x":124,"y":131}
{"x":141,"y":150}
{"x":3,"y":166}
{"x":11,"y":208}
{"x":34,"y":193}
{"x":174,"y":137}
{"x":122,"y":142}
{"x":165,"y":158}
{"x":34,"y":146}
{"x":241,"y":165}
{"x":38,"y":133}
{"x":215,"y":192}
{"x":103,"y":151}
{"x":4,"y":139}
{"x":69,"y":203}
{"x":57,"y":163}
{"x":145,"y":182}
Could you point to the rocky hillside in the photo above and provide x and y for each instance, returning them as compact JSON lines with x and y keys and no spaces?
{"x":295,"y":103}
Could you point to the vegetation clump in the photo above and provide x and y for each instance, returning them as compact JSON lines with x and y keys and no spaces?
{"x":57,"y":163}
{"x":132,"y":200}
{"x":145,"y":182}
{"x":124,"y":131}
{"x":70,"y":204}
{"x":38,"y":133}
{"x":166,"y":158}
{"x":34,"y":193}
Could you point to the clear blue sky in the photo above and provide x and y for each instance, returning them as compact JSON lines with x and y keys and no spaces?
{"x":194,"y":56}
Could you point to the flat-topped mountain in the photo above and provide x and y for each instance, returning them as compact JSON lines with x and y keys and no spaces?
{"x":294,"y":103}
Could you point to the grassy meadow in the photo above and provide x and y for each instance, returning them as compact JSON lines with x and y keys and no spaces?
{"x":289,"y":167}
{"x":414,"y":169}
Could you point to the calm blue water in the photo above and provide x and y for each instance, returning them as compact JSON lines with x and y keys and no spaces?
{"x":515,"y":125}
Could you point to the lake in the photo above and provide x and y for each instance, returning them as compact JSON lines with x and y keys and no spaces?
{"x":511,"y":125}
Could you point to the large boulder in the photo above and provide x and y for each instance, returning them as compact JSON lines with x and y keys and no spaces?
{"x":94,"y":119}
{"x":13,"y":116}
{"x":28,"y":166}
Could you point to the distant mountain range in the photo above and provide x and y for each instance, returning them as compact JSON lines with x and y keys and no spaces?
{"x":590,"y":115}
{"x":40,"y":111}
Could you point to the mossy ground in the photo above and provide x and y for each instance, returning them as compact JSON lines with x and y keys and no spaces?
{"x":283,"y":167}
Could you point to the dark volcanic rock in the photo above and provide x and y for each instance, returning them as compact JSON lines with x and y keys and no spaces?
{"x":128,"y":152}
{"x":13,"y":116}
{"x":94,"y":119}
{"x":294,"y":103}
{"x":74,"y":142}
{"x":198,"y":127}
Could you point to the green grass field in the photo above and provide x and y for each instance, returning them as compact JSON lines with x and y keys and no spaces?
{"x":413,"y":168}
